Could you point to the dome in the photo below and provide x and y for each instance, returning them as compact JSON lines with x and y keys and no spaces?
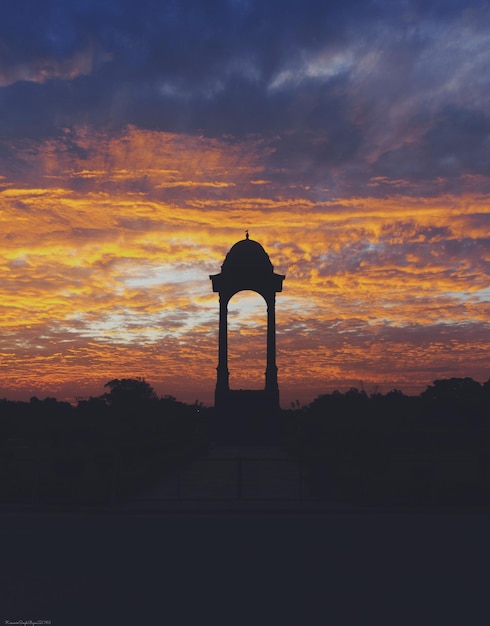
{"x":247,"y":254}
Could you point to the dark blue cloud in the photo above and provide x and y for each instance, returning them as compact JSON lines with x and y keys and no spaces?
{"x":457,"y":143}
{"x":369,"y":87}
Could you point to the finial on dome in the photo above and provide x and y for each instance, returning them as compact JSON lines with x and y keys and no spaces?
{"x":246,"y":234}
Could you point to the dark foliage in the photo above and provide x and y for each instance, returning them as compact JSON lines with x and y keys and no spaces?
{"x":103,"y":451}
{"x":431,"y":449}
{"x":397,"y":449}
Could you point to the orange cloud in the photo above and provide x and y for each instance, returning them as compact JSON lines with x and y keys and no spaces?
{"x":107,"y":244}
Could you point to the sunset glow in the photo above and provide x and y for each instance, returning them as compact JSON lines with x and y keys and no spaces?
{"x":372,"y":197}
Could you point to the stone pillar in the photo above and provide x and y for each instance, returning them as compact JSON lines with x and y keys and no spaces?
{"x":222,"y":382}
{"x":271,"y":385}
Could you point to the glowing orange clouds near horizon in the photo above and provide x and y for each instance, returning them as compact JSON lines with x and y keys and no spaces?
{"x":107,"y":244}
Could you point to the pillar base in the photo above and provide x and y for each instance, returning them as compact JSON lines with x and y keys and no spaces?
{"x":246,"y":417}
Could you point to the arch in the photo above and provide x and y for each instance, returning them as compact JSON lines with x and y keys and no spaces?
{"x":247,"y":267}
{"x":247,"y":339}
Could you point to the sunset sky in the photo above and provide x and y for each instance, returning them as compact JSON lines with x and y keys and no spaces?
{"x":140,"y":139}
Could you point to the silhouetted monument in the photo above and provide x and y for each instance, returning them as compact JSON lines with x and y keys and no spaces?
{"x":247,"y":416}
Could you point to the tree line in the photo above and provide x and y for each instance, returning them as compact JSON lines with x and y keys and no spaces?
{"x":434,"y":447}
{"x":127,"y":435}
{"x":353,"y":445}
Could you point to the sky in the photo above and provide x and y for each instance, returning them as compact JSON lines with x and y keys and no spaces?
{"x":140,"y":139}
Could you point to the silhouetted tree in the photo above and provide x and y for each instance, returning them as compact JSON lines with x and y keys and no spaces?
{"x":451,"y":389}
{"x":129,"y":392}
{"x":455,"y":397}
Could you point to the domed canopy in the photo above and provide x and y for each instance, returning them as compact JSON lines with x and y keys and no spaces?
{"x":247,"y":254}
{"x":247,"y":266}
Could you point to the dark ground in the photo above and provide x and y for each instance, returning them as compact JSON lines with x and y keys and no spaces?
{"x":395,"y":569}
{"x":332,"y":568}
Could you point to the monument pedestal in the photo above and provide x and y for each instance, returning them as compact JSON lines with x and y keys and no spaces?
{"x":246,"y":418}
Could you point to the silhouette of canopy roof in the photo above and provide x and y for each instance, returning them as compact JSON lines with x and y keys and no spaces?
{"x":247,"y":254}
{"x":247,"y":266}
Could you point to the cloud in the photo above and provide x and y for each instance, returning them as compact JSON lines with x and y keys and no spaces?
{"x":454,"y":146}
{"x":124,"y":262}
{"x":140,"y":140}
